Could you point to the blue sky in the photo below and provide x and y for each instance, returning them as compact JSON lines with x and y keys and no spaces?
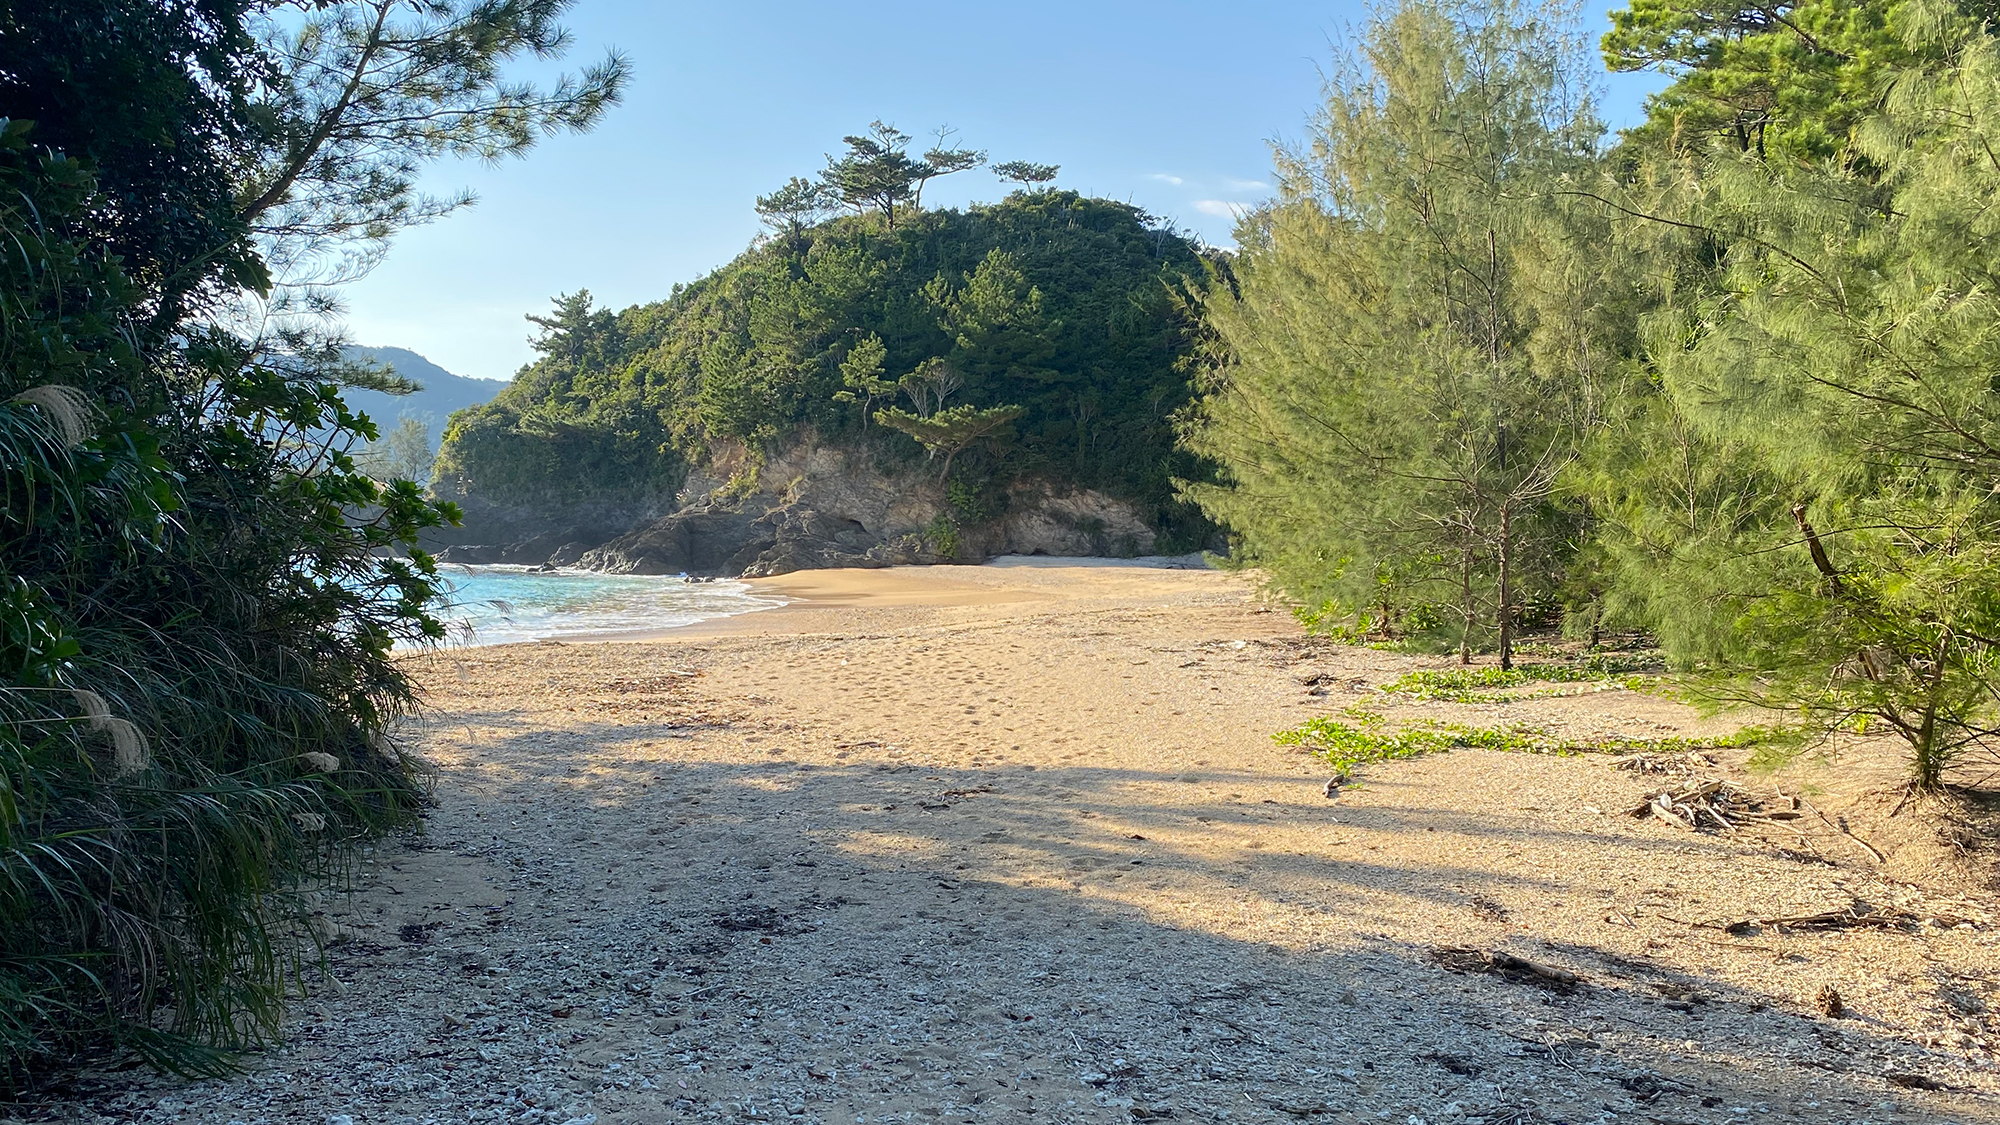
{"x":1169,"y":104}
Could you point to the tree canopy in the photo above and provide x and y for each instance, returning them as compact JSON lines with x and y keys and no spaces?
{"x":1791,"y":79}
{"x":1410,"y":348}
{"x":1062,"y":306}
{"x":1729,"y":382}
{"x":1835,"y":383}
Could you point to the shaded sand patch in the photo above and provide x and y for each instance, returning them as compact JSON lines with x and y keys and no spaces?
{"x":985,"y":845}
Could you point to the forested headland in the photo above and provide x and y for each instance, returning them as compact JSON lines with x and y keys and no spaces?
{"x":1044,"y":336}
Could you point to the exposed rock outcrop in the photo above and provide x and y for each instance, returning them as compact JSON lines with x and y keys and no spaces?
{"x":822,"y":507}
{"x":1042,"y":521}
{"x":533,"y":531}
{"x":815,"y":507}
{"x":818,"y":507}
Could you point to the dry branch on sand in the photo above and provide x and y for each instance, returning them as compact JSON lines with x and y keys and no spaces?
{"x":1715,"y":804}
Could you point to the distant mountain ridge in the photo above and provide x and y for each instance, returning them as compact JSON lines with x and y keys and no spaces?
{"x":443,"y":391}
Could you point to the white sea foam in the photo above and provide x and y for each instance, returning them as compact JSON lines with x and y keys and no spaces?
{"x":493,"y":605}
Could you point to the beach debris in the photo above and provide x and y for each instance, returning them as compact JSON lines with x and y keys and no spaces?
{"x":1459,"y":959}
{"x":1714,"y":804}
{"x":1333,"y":785}
{"x":1320,"y":683}
{"x":1913,"y":1082}
{"x":1695,"y":805}
{"x":1860,"y":916}
{"x":1461,"y":1065}
{"x":1670,"y":764}
{"x":761,"y":919}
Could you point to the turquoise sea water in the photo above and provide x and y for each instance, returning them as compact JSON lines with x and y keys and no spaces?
{"x":492,"y":605}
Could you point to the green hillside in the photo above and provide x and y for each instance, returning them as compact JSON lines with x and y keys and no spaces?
{"x":1063,"y":306}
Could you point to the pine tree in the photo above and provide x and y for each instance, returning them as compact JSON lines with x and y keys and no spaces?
{"x":1808,"y":508}
{"x":862,"y":372}
{"x":1411,"y":340}
{"x":404,"y":453}
{"x":1027,"y":173}
{"x":795,"y":207}
{"x":950,"y":430}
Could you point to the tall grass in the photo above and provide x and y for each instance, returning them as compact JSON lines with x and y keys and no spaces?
{"x":196,"y":617}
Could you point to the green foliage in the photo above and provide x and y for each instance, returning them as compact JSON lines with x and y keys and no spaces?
{"x":199,"y":588}
{"x":1758,"y":340}
{"x":156,"y":98}
{"x":1027,"y":173}
{"x":878,"y":173}
{"x":1061,"y":305}
{"x":942,"y":535}
{"x":362,"y":93}
{"x":1348,"y":745}
{"x":1790,"y":81}
{"x":569,"y":426}
{"x":1417,"y":335}
{"x":801,"y":203}
{"x":1836,"y":391}
{"x":967,"y":502}
{"x":165,"y":675}
{"x":1476,"y":685}
{"x":862,"y":372}
{"x":404,"y":453}
{"x":951,"y":430}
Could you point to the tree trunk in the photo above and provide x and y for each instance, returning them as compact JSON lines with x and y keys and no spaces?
{"x":1465,"y":603}
{"x":1928,"y":774}
{"x":1506,"y":586}
{"x":1818,"y":551}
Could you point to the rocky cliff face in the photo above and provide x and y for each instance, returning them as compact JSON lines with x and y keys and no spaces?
{"x":820,"y":507}
{"x":552,"y":530}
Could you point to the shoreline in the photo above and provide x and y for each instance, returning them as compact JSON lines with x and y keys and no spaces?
{"x":930,"y":585}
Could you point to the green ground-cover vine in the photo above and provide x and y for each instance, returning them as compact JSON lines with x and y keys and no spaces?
{"x":1368,"y":738}
{"x":1490,"y":684}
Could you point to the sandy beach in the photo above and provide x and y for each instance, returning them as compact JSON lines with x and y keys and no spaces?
{"x":984,"y":844}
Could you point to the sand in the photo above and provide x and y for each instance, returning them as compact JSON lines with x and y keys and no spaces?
{"x":1015,"y":845}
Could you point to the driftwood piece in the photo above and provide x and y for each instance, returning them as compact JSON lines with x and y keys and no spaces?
{"x":1853,"y":918}
{"x":1713,"y":804}
{"x":1507,"y":962}
{"x":1506,"y":965}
